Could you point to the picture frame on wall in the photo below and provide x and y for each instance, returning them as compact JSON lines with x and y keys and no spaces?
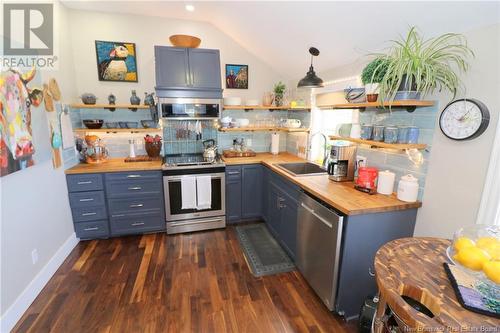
{"x":236,"y":76}
{"x":116,"y":61}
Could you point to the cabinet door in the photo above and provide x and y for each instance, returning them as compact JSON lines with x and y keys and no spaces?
{"x":204,"y":68}
{"x":172,"y":67}
{"x":233,"y":200}
{"x":274,"y":210}
{"x":288,"y":231}
{"x":251,"y":191}
{"x":265,"y":193}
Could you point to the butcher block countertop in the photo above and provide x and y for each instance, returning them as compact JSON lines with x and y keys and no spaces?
{"x":340,"y":195}
{"x":114,"y":165}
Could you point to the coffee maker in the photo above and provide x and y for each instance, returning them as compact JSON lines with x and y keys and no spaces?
{"x":342,"y":161}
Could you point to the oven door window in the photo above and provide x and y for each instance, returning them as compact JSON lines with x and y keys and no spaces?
{"x":190,"y":110}
{"x":174,"y":191}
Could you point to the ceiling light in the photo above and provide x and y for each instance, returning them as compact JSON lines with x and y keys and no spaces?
{"x":190,"y":8}
{"x":311,"y":80}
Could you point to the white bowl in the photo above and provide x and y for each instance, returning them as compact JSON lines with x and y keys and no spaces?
{"x":232,"y":101}
{"x":242,"y":122}
{"x":252,"y":102}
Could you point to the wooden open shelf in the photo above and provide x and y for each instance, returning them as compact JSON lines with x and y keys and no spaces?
{"x":108,"y":106}
{"x":379,"y":144}
{"x":409,"y":104}
{"x":117,"y":130}
{"x":261,"y":107}
{"x":263,"y":129}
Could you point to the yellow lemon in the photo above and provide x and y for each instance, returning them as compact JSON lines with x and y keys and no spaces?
{"x":462,"y":243}
{"x":472,"y":258}
{"x":483,"y":242}
{"x":493,"y":250}
{"x":492,"y":270}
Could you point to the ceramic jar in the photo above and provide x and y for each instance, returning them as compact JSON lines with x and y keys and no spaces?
{"x":134,"y":99}
{"x":366,"y":132}
{"x":413,"y":133}
{"x":390,"y":134}
{"x":378,"y":132}
{"x":385,"y":184}
{"x":408,"y":189}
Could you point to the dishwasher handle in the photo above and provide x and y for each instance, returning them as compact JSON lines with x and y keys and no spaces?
{"x":322,"y":219}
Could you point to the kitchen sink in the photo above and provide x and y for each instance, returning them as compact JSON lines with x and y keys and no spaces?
{"x":302,"y":169}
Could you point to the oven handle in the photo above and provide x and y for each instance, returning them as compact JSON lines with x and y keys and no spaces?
{"x":178,"y":178}
{"x":178,"y":224}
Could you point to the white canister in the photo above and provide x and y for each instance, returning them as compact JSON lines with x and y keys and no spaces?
{"x":385,"y":184}
{"x":408,"y":188}
{"x":275,"y":143}
{"x":355,"y":131}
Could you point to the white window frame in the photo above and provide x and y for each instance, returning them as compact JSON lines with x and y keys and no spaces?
{"x":489,"y":210}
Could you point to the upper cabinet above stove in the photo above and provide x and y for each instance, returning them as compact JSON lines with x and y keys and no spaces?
{"x":185,"y":72}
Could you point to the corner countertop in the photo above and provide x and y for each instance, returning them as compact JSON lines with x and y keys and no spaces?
{"x":114,"y":165}
{"x":340,"y":195}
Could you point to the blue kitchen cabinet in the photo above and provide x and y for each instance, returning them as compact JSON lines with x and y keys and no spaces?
{"x":172,"y":67}
{"x":233,"y":200}
{"x":251,"y":188}
{"x":288,"y":224}
{"x":204,"y":67}
{"x":274,"y":210}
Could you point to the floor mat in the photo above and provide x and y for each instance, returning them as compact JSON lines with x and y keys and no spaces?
{"x":263,"y":253}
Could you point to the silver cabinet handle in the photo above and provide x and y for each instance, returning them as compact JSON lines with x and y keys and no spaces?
{"x":370,"y":271}
{"x":91,"y":229}
{"x":233,"y":172}
{"x":85,"y":182}
{"x":280,"y":199}
{"x":86,"y":199}
{"x":136,"y":224}
{"x":135,"y":188}
{"x":136,"y":205}
{"x":133,"y":176}
{"x":89,"y":214}
{"x":322,"y":219}
{"x":118,"y":215}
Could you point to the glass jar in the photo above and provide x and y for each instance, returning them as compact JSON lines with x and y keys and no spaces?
{"x":403,"y":134}
{"x":390,"y":134}
{"x":378,"y":132}
{"x":366,"y":132}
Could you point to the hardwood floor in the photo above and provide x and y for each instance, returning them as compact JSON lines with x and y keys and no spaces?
{"x":196,"y":282}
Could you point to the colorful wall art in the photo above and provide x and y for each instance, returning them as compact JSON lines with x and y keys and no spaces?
{"x":116,"y":61}
{"x":236,"y":76}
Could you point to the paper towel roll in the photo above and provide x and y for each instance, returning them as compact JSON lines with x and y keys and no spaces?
{"x":275,"y":143}
{"x":385,"y":183}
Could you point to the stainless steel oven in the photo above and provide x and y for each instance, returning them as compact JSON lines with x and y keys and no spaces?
{"x":186,"y":220}
{"x":189,"y":108}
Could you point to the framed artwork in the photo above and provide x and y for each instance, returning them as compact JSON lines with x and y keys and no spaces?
{"x":236,"y":76}
{"x":116,"y":61}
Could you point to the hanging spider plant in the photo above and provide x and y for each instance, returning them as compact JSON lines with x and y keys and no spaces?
{"x":417,"y":67}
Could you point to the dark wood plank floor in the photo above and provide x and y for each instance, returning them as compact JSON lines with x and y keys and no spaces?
{"x":196,"y":282}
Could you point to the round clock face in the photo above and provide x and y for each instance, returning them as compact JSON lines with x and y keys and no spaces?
{"x":464,"y":119}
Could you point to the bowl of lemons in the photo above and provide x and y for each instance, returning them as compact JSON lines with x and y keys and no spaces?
{"x":476,"y":249}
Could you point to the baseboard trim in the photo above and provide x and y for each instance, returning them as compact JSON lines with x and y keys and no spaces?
{"x":22,"y":303}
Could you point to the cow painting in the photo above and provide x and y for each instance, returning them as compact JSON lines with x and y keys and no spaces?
{"x":16,"y":99}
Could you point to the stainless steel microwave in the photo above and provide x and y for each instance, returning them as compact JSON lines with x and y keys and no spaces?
{"x":189,"y":108}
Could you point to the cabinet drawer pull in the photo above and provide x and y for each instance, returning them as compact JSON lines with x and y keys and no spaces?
{"x":84,"y":182}
{"x":233,"y":172}
{"x":89,"y":214}
{"x":133,"y":176}
{"x":135,"y":188}
{"x":118,"y":215}
{"x":320,"y":218}
{"x":136,"y":205}
{"x":86,"y":199}
{"x":136,"y":224}
{"x":91,"y":229}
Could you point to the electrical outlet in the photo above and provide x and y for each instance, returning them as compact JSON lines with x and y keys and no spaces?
{"x":34,"y":256}
{"x":361,"y":161}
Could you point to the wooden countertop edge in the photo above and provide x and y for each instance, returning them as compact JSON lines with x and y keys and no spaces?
{"x":113,"y":165}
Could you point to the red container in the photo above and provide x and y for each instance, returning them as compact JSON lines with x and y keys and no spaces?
{"x":367,"y":177}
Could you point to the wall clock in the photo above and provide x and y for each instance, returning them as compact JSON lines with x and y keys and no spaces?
{"x":464,"y":119}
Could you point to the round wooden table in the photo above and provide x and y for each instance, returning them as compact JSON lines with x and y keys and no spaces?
{"x":414,"y":267}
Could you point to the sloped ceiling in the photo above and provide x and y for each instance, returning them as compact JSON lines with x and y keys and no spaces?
{"x":280,"y":33}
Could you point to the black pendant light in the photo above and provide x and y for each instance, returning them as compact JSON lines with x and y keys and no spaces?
{"x":311,"y":80}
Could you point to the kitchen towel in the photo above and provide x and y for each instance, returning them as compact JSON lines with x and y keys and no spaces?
{"x":68,"y":139}
{"x":204,"y":192}
{"x":188,"y":192}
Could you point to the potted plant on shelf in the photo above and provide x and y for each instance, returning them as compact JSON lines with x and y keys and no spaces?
{"x":279,"y":91}
{"x":418,"y":66}
{"x":372,"y":75}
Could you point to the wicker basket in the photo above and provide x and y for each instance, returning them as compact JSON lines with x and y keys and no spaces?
{"x":153,"y":148}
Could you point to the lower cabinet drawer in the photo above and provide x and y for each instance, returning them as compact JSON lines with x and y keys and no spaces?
{"x":86,"y":199}
{"x":134,"y":205}
{"x":84,"y":182}
{"x":137,"y":223}
{"x":94,"y":229}
{"x":128,"y":188}
{"x":85,"y":214}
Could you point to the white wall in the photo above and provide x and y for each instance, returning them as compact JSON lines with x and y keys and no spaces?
{"x":457,"y":170}
{"x":146,"y":32}
{"x":35,"y":211}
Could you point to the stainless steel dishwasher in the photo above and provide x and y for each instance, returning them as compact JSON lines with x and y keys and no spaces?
{"x":319,"y":236}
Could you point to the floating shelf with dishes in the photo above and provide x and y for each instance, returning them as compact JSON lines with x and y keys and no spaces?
{"x":401,"y":146}
{"x":261,"y":107}
{"x":108,"y":106}
{"x":262,"y":129}
{"x":409,"y":105}
{"x":117,"y":130}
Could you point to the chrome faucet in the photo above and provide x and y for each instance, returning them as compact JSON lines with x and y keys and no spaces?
{"x":325,"y":152}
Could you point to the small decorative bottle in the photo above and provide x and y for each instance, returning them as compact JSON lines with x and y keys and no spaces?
{"x":134,"y":99}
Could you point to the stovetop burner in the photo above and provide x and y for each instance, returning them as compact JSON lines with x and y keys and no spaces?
{"x":188,"y":161}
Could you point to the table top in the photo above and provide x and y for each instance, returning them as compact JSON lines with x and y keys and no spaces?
{"x":414,"y":267}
